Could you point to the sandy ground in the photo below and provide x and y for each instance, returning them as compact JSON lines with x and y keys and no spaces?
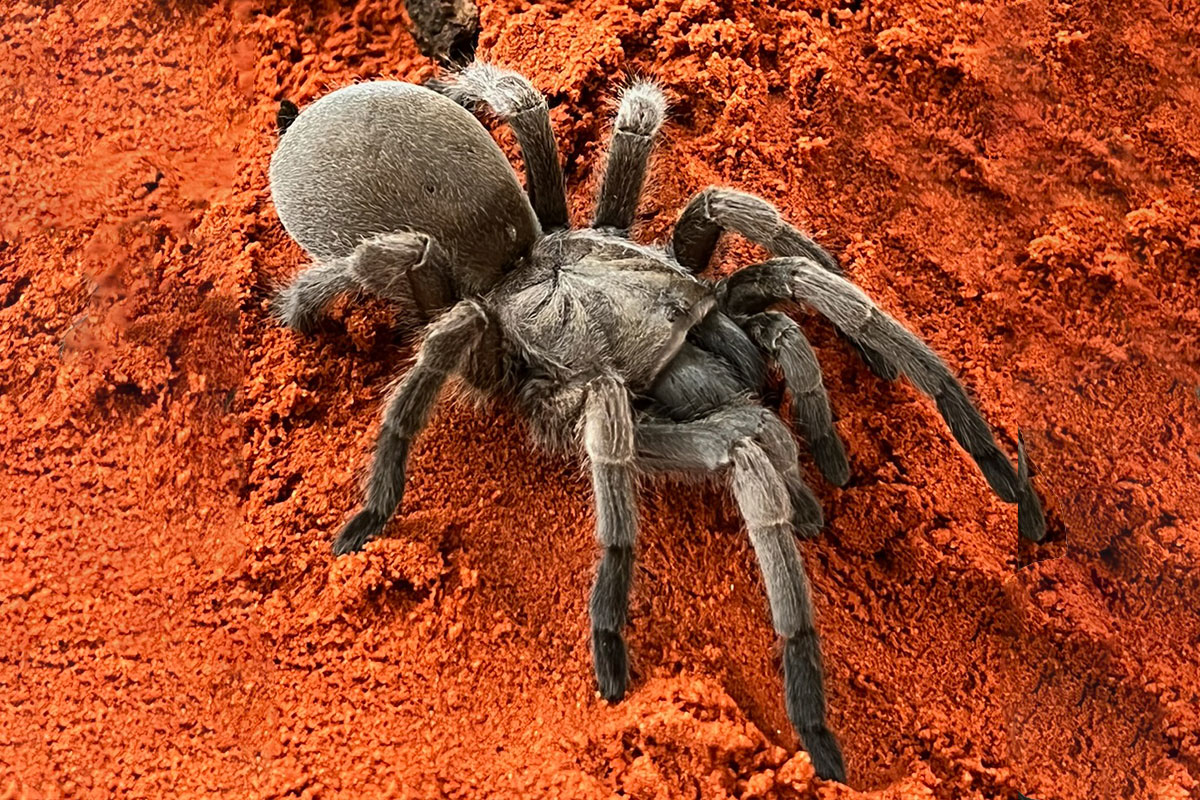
{"x":1015,"y":181}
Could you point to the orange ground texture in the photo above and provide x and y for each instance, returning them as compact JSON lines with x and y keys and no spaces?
{"x":1014,"y":181}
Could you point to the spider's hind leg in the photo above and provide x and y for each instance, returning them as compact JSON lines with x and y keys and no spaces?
{"x":408,"y":268}
{"x":642,"y":111}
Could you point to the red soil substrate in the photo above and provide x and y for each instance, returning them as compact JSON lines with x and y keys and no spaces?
{"x":1016,"y":182}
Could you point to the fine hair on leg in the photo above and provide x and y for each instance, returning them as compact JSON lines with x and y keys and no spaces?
{"x":845,"y":305}
{"x":641,"y":113}
{"x":699,"y":383}
{"x":783,"y":340}
{"x":777,"y":442}
{"x":729,"y":441}
{"x":405,"y":415}
{"x":608,"y":441}
{"x":299,"y":304}
{"x":714,"y":211}
{"x":513,"y":99}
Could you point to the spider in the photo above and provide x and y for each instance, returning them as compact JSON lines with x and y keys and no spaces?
{"x":613,"y":351}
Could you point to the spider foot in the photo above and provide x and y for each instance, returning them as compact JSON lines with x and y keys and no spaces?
{"x":1031,"y":522}
{"x":805,"y":699}
{"x":612,"y":664}
{"x":830,"y":455}
{"x":825,"y":754}
{"x":643,"y":108}
{"x":365,"y":525}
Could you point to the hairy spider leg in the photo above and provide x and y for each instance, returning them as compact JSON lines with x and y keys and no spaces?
{"x":725,"y":442}
{"x":513,"y":99}
{"x":802,"y":280}
{"x":449,"y":340}
{"x":639,"y":117}
{"x":408,"y":268}
{"x":608,"y":442}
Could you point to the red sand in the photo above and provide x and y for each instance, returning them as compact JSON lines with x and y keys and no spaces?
{"x":1017,"y":183}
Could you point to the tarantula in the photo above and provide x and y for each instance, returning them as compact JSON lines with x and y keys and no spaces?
{"x":613,"y":351}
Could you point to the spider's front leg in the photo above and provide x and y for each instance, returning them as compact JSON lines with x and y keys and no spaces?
{"x":512,"y":98}
{"x":802,"y":280}
{"x":641,"y":113}
{"x":409,"y":268}
{"x":713,"y":211}
{"x":450,"y":339}
{"x":608,"y":441}
{"x":716,"y":211}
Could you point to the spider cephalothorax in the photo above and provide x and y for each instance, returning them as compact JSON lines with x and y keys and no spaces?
{"x":613,"y":351}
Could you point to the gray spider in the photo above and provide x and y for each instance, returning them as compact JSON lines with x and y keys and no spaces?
{"x":613,"y":351}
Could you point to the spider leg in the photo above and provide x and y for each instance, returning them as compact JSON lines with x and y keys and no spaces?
{"x":409,"y":268}
{"x":449,"y":339}
{"x":300,"y":303}
{"x":802,"y":280}
{"x":783,"y":340}
{"x":723,"y":442}
{"x":696,"y":384}
{"x":512,"y":98}
{"x":608,"y":441}
{"x":1030,"y":519}
{"x":714,"y":211}
{"x":641,"y":113}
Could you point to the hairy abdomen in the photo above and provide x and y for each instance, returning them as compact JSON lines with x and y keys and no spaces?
{"x":386,"y":156}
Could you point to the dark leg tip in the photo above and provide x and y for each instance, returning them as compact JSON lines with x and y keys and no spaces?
{"x":830,"y":455}
{"x":1031,"y":522}
{"x":826,"y":755}
{"x":612,"y":664}
{"x":999,"y":473}
{"x":804,"y":696}
{"x":365,"y":525}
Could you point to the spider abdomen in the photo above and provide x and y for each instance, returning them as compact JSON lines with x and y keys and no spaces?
{"x":384,"y":157}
